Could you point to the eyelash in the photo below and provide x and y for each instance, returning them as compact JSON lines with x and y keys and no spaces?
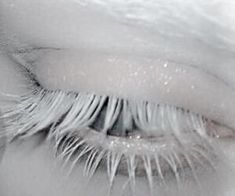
{"x":71,"y":119}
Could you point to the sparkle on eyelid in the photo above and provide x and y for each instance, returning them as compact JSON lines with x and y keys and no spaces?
{"x":165,"y":65}
{"x":166,"y":83}
{"x":192,"y":87}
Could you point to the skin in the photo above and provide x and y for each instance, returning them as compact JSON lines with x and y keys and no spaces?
{"x":84,"y":40}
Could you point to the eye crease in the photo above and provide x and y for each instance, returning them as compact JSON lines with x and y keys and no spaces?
{"x":126,"y":137}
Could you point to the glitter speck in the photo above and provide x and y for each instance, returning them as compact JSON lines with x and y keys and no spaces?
{"x":192,"y":87}
{"x":165,"y":65}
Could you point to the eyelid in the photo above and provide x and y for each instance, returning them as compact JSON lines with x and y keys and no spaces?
{"x":153,"y":80}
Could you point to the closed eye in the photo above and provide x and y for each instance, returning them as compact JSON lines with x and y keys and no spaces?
{"x":134,"y":90}
{"x":154,"y":79}
{"x":126,"y":136}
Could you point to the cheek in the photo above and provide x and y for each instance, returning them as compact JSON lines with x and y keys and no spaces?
{"x":228,"y":147}
{"x":27,"y":172}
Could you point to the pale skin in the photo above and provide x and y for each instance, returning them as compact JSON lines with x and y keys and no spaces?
{"x":125,"y":51}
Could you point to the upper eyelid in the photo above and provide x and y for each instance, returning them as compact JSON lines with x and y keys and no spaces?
{"x":38,"y":51}
{"x":41,"y":51}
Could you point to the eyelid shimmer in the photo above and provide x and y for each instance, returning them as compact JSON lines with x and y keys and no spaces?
{"x":139,"y":77}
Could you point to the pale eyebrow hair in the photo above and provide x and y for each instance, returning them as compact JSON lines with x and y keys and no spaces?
{"x":209,"y":21}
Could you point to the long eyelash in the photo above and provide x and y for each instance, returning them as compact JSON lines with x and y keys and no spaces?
{"x":70,"y":118}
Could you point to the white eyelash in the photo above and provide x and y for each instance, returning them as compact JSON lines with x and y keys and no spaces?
{"x":67,"y":116}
